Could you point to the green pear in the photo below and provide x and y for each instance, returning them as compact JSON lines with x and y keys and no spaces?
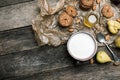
{"x":117,"y":41}
{"x":102,"y":57}
{"x":113,"y":26}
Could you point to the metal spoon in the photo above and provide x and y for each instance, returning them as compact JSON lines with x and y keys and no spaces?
{"x":100,"y":37}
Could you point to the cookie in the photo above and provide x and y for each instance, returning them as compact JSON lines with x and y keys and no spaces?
{"x":86,"y":4}
{"x":71,"y":11}
{"x":107,"y":11}
{"x":65,"y":20}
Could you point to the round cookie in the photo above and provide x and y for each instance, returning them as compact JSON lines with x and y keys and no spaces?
{"x":107,"y":11}
{"x":86,"y":4}
{"x":71,"y":11}
{"x":65,"y":20}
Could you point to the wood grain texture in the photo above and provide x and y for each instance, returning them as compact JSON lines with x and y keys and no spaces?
{"x":53,"y":63}
{"x":34,"y":61}
{"x":22,"y":59}
{"x":4,"y":3}
{"x":84,"y":72}
{"x":16,"y":40}
{"x":18,"y":15}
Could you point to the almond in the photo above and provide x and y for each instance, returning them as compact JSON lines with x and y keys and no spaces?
{"x":92,"y":61}
{"x":71,"y":30}
{"x":118,"y":20}
{"x":94,"y":7}
{"x":98,"y":1}
{"x":107,"y":37}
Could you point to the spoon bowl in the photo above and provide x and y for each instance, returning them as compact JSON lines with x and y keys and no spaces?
{"x":100,"y":38}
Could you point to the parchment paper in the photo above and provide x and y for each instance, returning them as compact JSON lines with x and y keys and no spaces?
{"x":48,"y":31}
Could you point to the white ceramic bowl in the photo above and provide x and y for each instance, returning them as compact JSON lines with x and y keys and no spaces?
{"x":82,"y":46}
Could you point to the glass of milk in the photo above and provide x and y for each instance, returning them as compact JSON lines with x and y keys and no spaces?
{"x":82,"y":46}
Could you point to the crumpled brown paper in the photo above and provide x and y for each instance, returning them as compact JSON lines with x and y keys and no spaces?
{"x":49,"y":7}
{"x":48,"y":31}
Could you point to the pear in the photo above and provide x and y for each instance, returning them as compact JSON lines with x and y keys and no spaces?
{"x":113,"y":26}
{"x":117,"y":41}
{"x":102,"y":57}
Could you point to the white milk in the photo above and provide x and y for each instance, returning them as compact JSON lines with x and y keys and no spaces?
{"x":92,"y":19}
{"x":81,"y":46}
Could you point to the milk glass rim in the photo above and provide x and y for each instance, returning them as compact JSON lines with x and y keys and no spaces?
{"x":83,"y":59}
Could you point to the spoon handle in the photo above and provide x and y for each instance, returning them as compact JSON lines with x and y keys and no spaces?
{"x":114,"y":56}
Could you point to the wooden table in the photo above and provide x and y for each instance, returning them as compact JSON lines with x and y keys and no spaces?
{"x":22,"y":59}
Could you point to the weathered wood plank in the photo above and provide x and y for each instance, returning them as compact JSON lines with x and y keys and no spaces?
{"x":34,"y":61}
{"x":16,"y":40}
{"x":18,"y":15}
{"x":84,"y":72}
{"x":4,"y":3}
{"x":46,"y":59}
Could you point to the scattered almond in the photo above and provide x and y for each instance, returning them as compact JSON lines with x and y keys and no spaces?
{"x":107,"y":37}
{"x":94,"y":7}
{"x":98,"y":1}
{"x":77,"y":20}
{"x":118,"y":20}
{"x":92,"y":61}
{"x":116,"y":63}
{"x":71,"y":30}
